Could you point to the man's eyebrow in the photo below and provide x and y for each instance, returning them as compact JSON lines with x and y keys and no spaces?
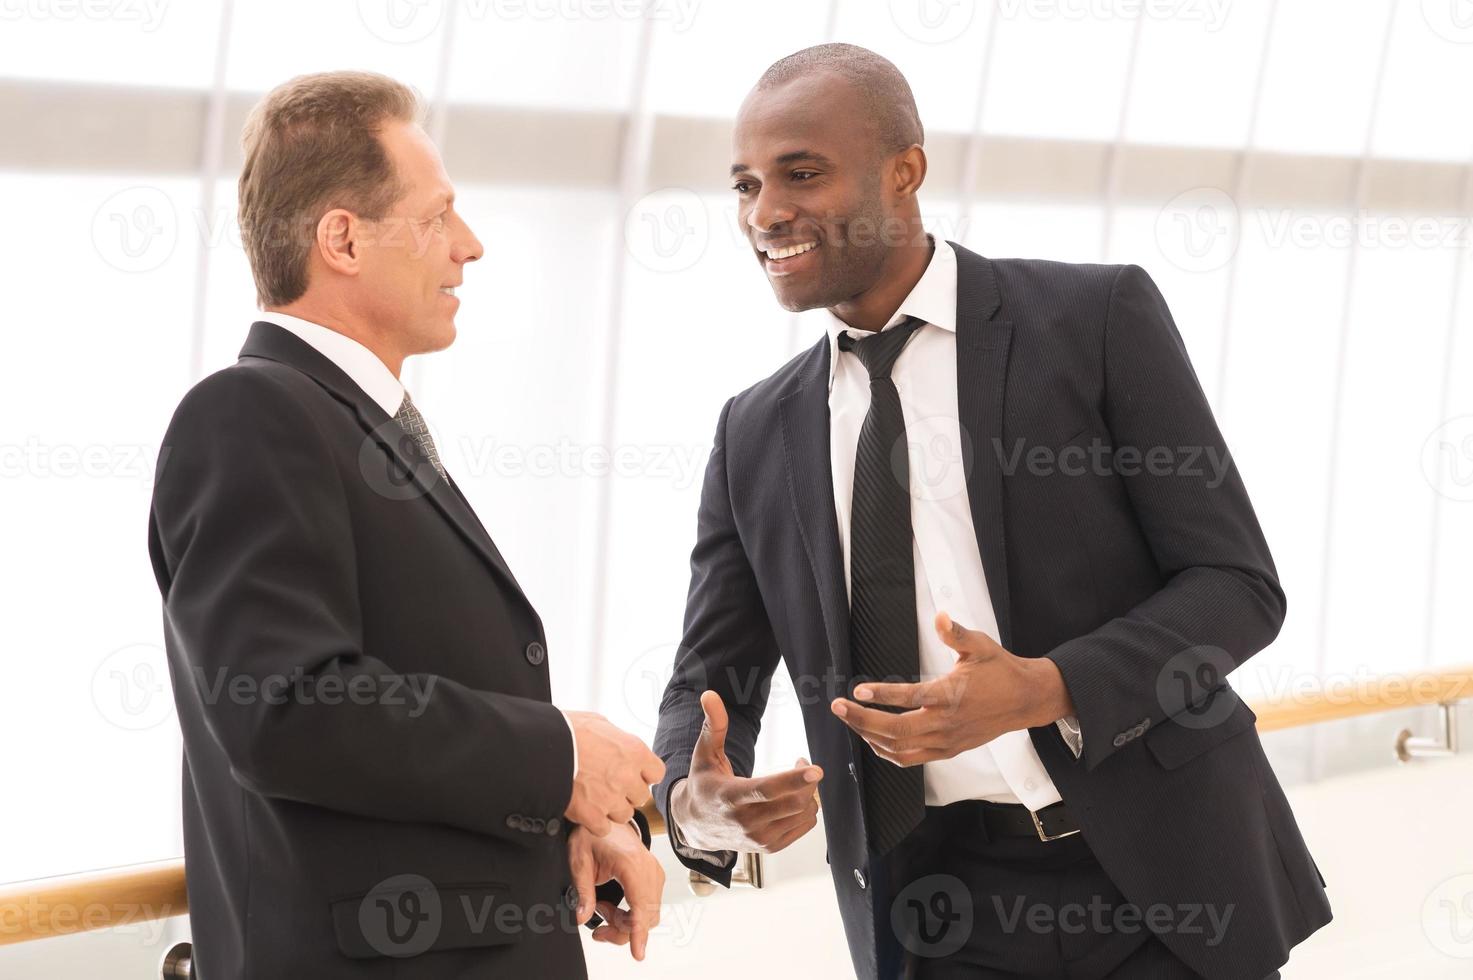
{"x":791,"y":157}
{"x":813,"y":155}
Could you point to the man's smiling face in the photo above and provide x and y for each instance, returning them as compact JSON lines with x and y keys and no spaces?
{"x":807,"y":172}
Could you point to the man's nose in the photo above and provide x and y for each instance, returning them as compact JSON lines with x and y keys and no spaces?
{"x":770,"y":210}
{"x":467,"y":246}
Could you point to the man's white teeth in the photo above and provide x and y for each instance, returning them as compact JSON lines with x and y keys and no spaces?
{"x":448,"y":290}
{"x":791,"y":250}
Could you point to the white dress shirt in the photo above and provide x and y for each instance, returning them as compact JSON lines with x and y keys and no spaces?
{"x":364,"y":369}
{"x":948,"y":564}
{"x":361,"y":365}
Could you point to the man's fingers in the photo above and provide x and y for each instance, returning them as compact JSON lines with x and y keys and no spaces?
{"x":713,"y":730}
{"x":943,"y":692}
{"x":580,"y":863}
{"x":772,"y":788}
{"x":598,"y":825}
{"x":652,"y":771}
{"x":785,"y":833}
{"x":908,"y":755}
{"x":872,"y":721}
{"x":640,"y":923}
{"x":963,"y":640}
{"x":615,"y":928}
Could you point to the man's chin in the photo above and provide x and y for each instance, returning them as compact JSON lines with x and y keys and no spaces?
{"x":797,"y":301}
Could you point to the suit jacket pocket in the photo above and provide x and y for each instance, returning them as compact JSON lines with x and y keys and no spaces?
{"x":1188,"y":734}
{"x":408,"y":915}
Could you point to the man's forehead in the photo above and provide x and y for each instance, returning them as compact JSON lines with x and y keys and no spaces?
{"x":806,"y":113}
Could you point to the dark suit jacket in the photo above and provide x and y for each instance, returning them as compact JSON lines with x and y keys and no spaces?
{"x":1143,"y":583}
{"x":374,"y":775}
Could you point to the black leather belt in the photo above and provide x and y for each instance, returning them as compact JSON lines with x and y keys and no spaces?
{"x":1015,"y":820}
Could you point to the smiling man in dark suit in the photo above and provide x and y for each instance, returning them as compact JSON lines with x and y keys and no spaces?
{"x":974,"y":518}
{"x":376,"y":782}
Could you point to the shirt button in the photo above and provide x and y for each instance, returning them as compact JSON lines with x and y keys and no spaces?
{"x":859,"y":878}
{"x":536,"y":653}
{"x":946,"y":591}
{"x":1030,"y":784}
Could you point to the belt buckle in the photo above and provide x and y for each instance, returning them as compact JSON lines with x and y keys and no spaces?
{"x":1044,"y":835}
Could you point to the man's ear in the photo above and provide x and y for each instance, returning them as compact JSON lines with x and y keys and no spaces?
{"x":909,"y":170}
{"x":338,"y":241}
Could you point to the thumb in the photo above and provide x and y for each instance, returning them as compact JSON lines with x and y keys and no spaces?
{"x":967,"y":643}
{"x":713,"y":733}
{"x":580,"y":863}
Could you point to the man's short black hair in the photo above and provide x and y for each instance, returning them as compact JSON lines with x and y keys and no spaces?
{"x":884,"y":88}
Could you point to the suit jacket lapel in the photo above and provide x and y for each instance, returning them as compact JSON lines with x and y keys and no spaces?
{"x":397,"y":468}
{"x":805,"y":431}
{"x":982,"y":346}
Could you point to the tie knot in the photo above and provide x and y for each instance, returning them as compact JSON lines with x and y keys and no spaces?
{"x":878,"y":352}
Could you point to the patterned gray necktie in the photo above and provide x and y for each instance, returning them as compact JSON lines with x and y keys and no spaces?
{"x":413,"y":423}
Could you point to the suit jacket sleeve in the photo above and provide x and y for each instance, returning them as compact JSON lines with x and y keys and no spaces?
{"x":253,"y":547}
{"x":727,"y":646}
{"x":1221,"y":601}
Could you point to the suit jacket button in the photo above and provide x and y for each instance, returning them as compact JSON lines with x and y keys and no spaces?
{"x":538,"y":825}
{"x":1120,"y":740}
{"x":524,"y":825}
{"x":570,"y":898}
{"x":859,"y":878}
{"x":536,"y":653}
{"x":514,"y":822}
{"x":553,"y":826}
{"x":853,"y":772}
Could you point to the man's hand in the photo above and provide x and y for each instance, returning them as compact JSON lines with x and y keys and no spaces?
{"x":615,"y":773}
{"x":717,"y":810}
{"x":620,"y":855}
{"x":990,"y":691}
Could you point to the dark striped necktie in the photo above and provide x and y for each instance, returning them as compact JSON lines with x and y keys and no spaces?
{"x":882,"y":624}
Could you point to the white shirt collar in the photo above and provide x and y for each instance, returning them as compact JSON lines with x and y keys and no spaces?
{"x":361,"y":365}
{"x":932,"y":300}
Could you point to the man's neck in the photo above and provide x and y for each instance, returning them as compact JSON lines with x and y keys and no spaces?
{"x":323,"y":317}
{"x":874,"y":307}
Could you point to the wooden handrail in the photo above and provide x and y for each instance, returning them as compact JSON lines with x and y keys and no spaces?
{"x":116,"y":897}
{"x":104,"y":899}
{"x":95,"y":900}
{"x":1364,"y":696}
